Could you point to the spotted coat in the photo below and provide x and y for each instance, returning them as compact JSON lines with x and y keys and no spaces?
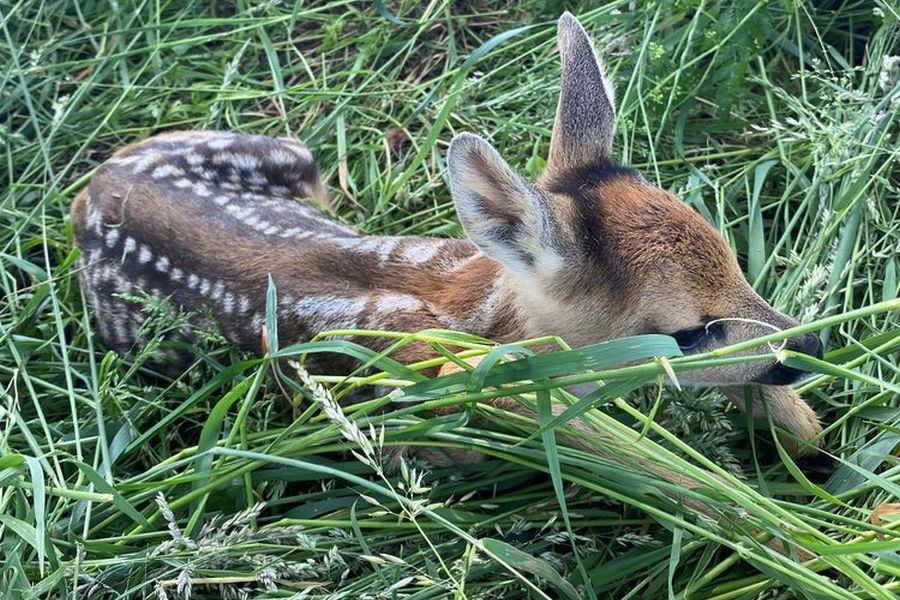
{"x":204,"y":218}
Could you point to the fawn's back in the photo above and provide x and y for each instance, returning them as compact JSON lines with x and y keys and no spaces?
{"x":204,"y":218}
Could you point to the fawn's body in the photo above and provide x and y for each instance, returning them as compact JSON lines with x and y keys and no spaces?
{"x":328,"y":276}
{"x":590,"y":252}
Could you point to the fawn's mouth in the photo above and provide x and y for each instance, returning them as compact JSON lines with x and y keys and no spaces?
{"x":780,"y":374}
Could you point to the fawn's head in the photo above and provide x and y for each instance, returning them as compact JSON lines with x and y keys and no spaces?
{"x":595,"y":251}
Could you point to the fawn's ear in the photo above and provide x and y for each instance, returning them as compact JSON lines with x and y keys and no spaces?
{"x":502,"y":214}
{"x":585,"y":115}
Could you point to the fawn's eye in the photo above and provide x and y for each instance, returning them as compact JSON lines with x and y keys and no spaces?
{"x":688,"y":339}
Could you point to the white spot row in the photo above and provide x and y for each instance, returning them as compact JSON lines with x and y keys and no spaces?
{"x":416,"y":251}
{"x":215,"y":290}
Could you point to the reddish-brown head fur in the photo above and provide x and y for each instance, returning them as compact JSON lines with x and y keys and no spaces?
{"x":595,"y":251}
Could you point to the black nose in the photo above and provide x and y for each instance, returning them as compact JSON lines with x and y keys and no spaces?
{"x":781,"y":374}
{"x":807,"y":344}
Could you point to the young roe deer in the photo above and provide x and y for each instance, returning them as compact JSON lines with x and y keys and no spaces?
{"x":589,"y":252}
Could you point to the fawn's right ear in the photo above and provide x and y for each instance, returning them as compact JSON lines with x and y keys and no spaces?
{"x":502,"y":214}
{"x":585,"y":116}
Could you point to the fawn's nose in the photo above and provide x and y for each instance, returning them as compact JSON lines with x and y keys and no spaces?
{"x":808,"y":344}
{"x":781,"y":374}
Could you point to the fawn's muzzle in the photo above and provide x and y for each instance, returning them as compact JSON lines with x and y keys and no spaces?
{"x":781,"y":374}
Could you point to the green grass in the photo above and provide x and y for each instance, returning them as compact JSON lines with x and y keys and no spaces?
{"x":778,"y":121}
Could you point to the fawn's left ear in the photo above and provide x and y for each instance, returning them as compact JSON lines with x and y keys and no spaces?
{"x":502,"y":214}
{"x":585,"y":116}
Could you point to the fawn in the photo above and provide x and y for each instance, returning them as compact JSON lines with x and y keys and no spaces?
{"x":589,"y":252}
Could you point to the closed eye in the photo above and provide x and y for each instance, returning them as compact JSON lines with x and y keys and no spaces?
{"x":689,"y":339}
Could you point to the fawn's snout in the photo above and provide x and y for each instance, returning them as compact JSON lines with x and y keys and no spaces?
{"x":781,"y":374}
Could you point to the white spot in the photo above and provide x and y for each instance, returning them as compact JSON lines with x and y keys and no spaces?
{"x":244,"y":304}
{"x":166,"y":170}
{"x":245,"y":162}
{"x":205,"y":286}
{"x":193,"y":281}
{"x":121,"y":328}
{"x":389,"y":303}
{"x":281,"y":157}
{"x":257,"y":179}
{"x":112,"y":236}
{"x":218,"y":290}
{"x":228,"y":303}
{"x":201,"y":190}
{"x":144,"y":255}
{"x":256,"y":322}
{"x":193,"y":159}
{"x":270,"y":230}
{"x":548,"y":262}
{"x":145,"y":161}
{"x":123,"y":284}
{"x":95,"y":217}
{"x":385,"y":246}
{"x":129,"y":247}
{"x":220,"y":143}
{"x":162,"y":265}
{"x":279,"y":190}
{"x":421,"y":251}
{"x":176,"y":274}
{"x":222,"y":200}
{"x":241,"y":213}
{"x":182,"y":183}
{"x":351,"y":244}
{"x":108,"y":273}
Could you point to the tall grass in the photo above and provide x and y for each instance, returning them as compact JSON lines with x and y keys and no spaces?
{"x":778,"y":121}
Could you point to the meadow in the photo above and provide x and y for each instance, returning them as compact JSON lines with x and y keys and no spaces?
{"x":247,"y":478}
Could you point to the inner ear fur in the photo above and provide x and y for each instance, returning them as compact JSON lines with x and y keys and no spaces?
{"x":502,"y":214}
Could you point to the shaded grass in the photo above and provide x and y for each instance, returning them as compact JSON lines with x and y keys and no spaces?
{"x":777,"y":121}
